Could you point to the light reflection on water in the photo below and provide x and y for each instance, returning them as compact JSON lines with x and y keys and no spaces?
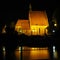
{"x":17,"y":53}
{"x":4,"y":52}
{"x":36,"y":53}
{"x":39,"y":54}
{"x":31,"y":53}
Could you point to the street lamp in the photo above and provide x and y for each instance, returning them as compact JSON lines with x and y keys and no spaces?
{"x":55,"y":24}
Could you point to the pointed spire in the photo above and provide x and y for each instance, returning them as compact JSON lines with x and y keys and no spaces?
{"x":30,"y":8}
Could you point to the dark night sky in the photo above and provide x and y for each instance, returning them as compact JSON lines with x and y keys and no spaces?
{"x":12,"y":10}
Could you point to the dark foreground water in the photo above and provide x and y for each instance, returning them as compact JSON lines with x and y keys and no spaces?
{"x":29,"y":53}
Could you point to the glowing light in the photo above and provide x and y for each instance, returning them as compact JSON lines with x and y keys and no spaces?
{"x":3,"y":48}
{"x":35,"y":48}
{"x":20,"y":31}
{"x":53,"y":48}
{"x":33,"y":30}
{"x":38,"y":29}
{"x":19,"y":49}
{"x":55,"y":52}
{"x":55,"y":24}
{"x":4,"y":51}
{"x":37,"y":23}
{"x":53,"y":31}
{"x":39,"y":53}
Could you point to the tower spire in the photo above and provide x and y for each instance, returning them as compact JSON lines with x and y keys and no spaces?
{"x":30,"y":7}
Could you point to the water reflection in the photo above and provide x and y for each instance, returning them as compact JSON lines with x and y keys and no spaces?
{"x":39,"y":54}
{"x":18,"y":53}
{"x":4,"y":52}
{"x":35,"y":53}
{"x":31,"y":53}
